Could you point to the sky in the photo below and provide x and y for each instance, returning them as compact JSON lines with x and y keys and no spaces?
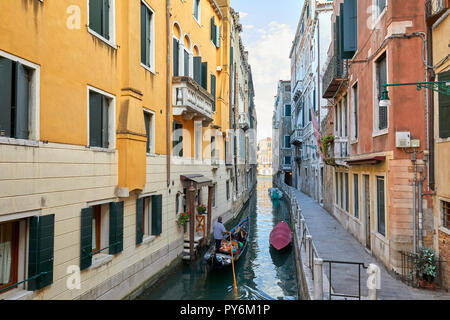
{"x":268,"y":31}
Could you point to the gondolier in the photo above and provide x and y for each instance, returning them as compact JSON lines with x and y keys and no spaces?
{"x":219,"y":231}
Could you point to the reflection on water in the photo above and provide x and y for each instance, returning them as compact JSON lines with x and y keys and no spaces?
{"x":261,"y":272}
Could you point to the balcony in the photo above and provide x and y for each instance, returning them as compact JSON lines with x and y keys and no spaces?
{"x":336,"y":74}
{"x":337,"y":152}
{"x":191,"y":101}
{"x":244,"y":121}
{"x":435,"y":9}
{"x":296,"y":93}
{"x":297,"y":137}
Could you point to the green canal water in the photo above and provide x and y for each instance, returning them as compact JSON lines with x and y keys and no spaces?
{"x":261,"y":273}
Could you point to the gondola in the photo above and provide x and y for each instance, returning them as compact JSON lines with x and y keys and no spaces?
{"x":222,"y":259}
{"x":281,"y":236}
{"x":275,"y":194}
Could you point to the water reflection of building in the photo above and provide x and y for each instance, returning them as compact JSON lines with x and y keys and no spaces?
{"x":265,"y":157}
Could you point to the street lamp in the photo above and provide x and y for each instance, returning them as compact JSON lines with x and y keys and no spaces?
{"x":385,"y":101}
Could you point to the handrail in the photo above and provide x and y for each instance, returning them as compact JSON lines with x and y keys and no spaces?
{"x":98,"y":251}
{"x":23,"y":281}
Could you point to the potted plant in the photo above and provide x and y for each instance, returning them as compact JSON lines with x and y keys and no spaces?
{"x":184,"y":218}
{"x":425,"y":267}
{"x":201,"y":209}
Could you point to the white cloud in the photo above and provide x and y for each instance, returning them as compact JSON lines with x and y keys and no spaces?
{"x":269,"y":58}
{"x":242,"y":15}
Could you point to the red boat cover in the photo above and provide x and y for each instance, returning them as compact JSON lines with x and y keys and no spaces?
{"x":281,"y":236}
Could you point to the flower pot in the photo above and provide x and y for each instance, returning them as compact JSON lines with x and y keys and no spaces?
{"x":426,"y":285}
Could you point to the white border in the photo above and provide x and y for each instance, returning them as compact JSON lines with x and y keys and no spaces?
{"x":112,"y":27}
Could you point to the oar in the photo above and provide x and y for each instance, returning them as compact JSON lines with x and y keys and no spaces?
{"x":232,"y":264}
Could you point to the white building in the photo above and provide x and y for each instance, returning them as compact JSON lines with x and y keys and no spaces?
{"x":308,"y":58}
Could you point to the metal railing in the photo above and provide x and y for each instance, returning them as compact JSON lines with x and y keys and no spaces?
{"x":336,"y":72}
{"x":19,"y":283}
{"x":359,"y":264}
{"x":435,"y":7}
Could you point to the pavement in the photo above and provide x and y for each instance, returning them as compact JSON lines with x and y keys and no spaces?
{"x":333,"y":242}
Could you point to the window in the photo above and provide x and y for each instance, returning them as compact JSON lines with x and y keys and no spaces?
{"x":287,"y":142}
{"x":336,"y":183}
{"x":347,"y":194}
{"x":147,"y":217}
{"x":213,"y":148}
{"x":186,"y":64}
{"x":445,"y":214}
{"x":381,"y":211}
{"x":381,"y":75}
{"x":287,"y":160}
{"x":149,"y":118}
{"x":147,"y":36}
{"x":9,"y":254}
{"x":356,"y":195}
{"x":101,"y":230}
{"x":355,"y":112}
{"x":101,"y":18}
{"x":228,"y":189}
{"x":197,"y":10}
{"x":198,"y":138}
{"x":215,"y":33}
{"x":177,"y":139}
{"x":101,"y":119}
{"x":444,"y":108}
{"x":287,"y":110}
{"x":345,"y":111}
{"x":341,"y":176}
{"x":214,"y":196}
{"x":19,"y":90}
{"x":213,"y":91}
{"x":381,"y":5}
{"x":176,"y":57}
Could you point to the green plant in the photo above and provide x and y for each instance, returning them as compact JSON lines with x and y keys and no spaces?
{"x":426,"y":264}
{"x":327,"y":141}
{"x":183,"y":218}
{"x":201,"y":209}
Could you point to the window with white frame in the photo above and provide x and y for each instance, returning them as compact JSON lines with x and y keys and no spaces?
{"x":147,"y":36}
{"x":101,"y":119}
{"x":19,"y":98}
{"x":147,"y":217}
{"x":355,"y":115}
{"x":149,"y":118}
{"x":445,"y":211}
{"x":101,"y":19}
{"x":381,"y":112}
{"x":197,"y":10}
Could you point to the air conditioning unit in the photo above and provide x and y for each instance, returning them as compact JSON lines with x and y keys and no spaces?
{"x":403,"y":139}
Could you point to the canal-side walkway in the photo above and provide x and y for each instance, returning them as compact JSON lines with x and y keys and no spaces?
{"x":333,"y":242}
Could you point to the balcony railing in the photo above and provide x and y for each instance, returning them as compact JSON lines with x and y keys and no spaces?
{"x":435,"y":9}
{"x":337,"y":151}
{"x":191,"y":101}
{"x":297,"y":137}
{"x":244,"y":121}
{"x":336,"y":73}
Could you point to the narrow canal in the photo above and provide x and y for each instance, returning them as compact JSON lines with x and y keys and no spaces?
{"x":261,"y":273}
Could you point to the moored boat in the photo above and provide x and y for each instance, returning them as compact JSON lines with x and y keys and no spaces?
{"x":281,"y":236}
{"x":237,"y":243}
{"x":275,"y":194}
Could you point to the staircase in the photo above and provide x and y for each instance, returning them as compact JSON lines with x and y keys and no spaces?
{"x":199,"y":237}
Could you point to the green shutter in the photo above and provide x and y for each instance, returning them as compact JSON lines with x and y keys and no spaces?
{"x":213,"y":30}
{"x":213,"y":91}
{"x":144,"y":28}
{"x":350,"y":31}
{"x":21,"y":102}
{"x":176,"y":57}
{"x":198,"y":70}
{"x":86,"y":238}
{"x":147,"y":129}
{"x":444,"y":108}
{"x":139,"y":220}
{"x":204,"y":82}
{"x":105,"y":19}
{"x":116,"y":227}
{"x":95,"y":119}
{"x":156,"y":215}
{"x":186,"y":63}
{"x":41,"y":251}
{"x":6,"y":66}
{"x":381,"y":207}
{"x":105,"y":123}
{"x":95,"y":15}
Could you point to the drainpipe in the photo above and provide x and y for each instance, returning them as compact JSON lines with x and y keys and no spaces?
{"x":414,"y":159}
{"x":168,"y":92}
{"x":420,"y":214}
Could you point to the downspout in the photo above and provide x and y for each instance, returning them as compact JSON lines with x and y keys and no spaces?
{"x":168,"y":87}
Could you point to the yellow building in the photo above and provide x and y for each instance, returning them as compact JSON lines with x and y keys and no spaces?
{"x":91,"y":174}
{"x":439,"y":20}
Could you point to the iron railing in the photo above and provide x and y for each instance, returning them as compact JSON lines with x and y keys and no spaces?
{"x":337,"y":71}
{"x":408,"y":273}
{"x":435,"y":8}
{"x":359,"y":264}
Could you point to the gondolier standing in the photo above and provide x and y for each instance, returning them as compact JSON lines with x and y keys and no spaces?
{"x":219,"y":231}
